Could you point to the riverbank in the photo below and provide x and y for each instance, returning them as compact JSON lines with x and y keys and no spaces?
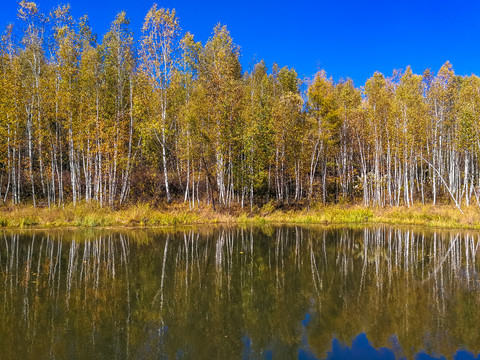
{"x":143,"y":215}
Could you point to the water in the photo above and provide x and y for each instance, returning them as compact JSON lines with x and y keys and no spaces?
{"x":240,"y":293}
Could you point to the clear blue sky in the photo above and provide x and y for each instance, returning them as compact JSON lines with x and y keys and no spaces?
{"x":348,"y":38}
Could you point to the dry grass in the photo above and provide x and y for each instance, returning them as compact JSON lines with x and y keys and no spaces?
{"x":443,"y":216}
{"x":143,"y":215}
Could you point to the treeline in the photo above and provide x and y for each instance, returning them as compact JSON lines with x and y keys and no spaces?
{"x":117,"y":121}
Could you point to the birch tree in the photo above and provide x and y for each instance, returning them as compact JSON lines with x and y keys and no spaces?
{"x":159,"y":46}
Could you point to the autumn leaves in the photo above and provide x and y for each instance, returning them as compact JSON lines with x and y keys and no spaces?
{"x":116,"y":120}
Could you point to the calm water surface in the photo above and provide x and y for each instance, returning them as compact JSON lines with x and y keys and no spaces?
{"x":240,"y":293}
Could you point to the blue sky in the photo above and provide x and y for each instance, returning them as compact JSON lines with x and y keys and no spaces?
{"x":346,"y":38}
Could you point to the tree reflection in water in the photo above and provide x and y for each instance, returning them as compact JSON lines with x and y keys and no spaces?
{"x":239,"y":293}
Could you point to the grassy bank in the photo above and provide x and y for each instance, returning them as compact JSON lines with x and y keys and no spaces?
{"x":143,"y":215}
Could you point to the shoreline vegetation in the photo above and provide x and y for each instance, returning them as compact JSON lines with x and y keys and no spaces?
{"x":84,"y":215}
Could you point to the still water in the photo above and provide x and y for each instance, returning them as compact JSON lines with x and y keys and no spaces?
{"x":240,"y":293}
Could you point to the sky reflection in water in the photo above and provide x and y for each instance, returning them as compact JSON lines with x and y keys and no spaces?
{"x":362,"y":349}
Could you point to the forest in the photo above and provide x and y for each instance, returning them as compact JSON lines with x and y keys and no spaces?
{"x":166,"y":118}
